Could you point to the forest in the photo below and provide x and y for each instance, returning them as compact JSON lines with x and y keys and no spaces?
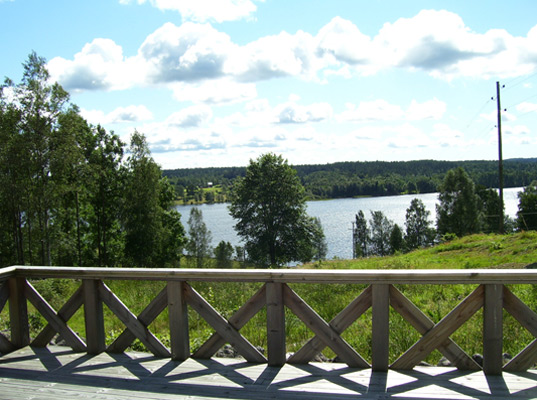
{"x":354,"y":179}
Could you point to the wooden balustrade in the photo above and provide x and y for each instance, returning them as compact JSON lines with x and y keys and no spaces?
{"x":275,"y":294}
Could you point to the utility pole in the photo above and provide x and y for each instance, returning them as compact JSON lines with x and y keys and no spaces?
{"x":500,"y":157}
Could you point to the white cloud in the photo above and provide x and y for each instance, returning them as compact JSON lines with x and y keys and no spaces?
{"x":526,"y":107}
{"x":376,"y":110}
{"x":192,"y":56}
{"x":100,"y":65}
{"x":187,"y":53}
{"x":119,"y":115}
{"x":194,"y":116}
{"x":431,"y":109}
{"x":218,"y":91}
{"x":342,"y":41}
{"x":291,"y":112}
{"x":205,"y":10}
{"x":274,"y":56}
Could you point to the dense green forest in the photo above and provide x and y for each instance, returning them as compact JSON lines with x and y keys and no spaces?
{"x":351,"y":179}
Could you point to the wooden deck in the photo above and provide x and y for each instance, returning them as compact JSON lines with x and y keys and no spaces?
{"x":59,"y":373}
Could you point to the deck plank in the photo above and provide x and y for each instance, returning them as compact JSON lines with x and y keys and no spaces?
{"x":59,"y":373}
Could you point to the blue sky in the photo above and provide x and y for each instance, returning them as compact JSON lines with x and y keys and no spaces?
{"x":219,"y":82}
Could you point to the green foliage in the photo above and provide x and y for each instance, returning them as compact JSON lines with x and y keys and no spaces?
{"x":418,"y":233}
{"x":458,"y":211}
{"x":527,"y":208}
{"x":377,"y":178}
{"x":381,"y":228}
{"x":199,"y":243}
{"x":396,"y":239}
{"x":66,"y":197}
{"x":270,"y":209}
{"x":223,"y":254}
{"x":360,"y":236}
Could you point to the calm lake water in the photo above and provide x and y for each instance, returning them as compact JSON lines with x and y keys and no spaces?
{"x":336,"y":217}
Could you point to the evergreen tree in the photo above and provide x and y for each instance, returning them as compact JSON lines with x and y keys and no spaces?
{"x":199,"y":243}
{"x":396,"y":239}
{"x":360,"y":236}
{"x":223,"y":254}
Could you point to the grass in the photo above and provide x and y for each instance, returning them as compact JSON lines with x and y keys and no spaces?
{"x":476,"y":251}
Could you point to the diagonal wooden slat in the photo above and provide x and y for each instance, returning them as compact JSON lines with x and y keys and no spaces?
{"x":5,"y":345}
{"x":520,"y":311}
{"x":322,"y":329}
{"x":528,"y":319}
{"x":224,"y":329}
{"x":237,"y":321}
{"x":523,"y":360}
{"x":131,"y":322}
{"x":339,"y":323}
{"x":146,"y":317}
{"x":4,"y":294}
{"x":57,"y":323}
{"x":423,"y":324}
{"x":441,"y":331}
{"x":70,"y":307}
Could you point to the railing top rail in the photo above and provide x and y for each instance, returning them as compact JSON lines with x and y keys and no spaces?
{"x":367,"y":276}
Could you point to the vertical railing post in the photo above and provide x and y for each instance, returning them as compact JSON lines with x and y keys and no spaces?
{"x":178,"y":316}
{"x":275,"y":324}
{"x":380,"y":327}
{"x":93,"y":317}
{"x":493,"y":330}
{"x":18,"y":313}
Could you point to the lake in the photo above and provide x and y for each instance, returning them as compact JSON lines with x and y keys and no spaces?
{"x":336,"y":217}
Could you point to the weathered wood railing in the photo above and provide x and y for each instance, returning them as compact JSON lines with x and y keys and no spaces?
{"x":491,"y":294}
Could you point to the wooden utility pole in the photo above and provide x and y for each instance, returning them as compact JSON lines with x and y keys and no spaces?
{"x":500,"y":157}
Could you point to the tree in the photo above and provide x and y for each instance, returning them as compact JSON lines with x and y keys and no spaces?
{"x":199,"y":244}
{"x":360,"y":236}
{"x":527,"y":208}
{"x":491,"y":209}
{"x":418,"y":233}
{"x":270,"y":207}
{"x":319,"y":240}
{"x":396,"y":239}
{"x":153,"y":232}
{"x":381,"y":229}
{"x":458,"y":208}
{"x":105,"y":181}
{"x":223,"y":254}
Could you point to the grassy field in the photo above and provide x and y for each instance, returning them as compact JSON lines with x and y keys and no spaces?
{"x":476,"y":251}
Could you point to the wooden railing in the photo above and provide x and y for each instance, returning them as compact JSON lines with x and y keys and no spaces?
{"x":275,"y":294}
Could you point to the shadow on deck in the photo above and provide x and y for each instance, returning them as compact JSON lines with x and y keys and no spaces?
{"x":59,"y":373}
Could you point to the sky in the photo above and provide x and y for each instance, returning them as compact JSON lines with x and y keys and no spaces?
{"x":220,"y":82}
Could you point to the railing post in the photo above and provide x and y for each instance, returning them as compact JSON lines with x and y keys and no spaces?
{"x":380,"y":327}
{"x":493,"y":330}
{"x":275,"y":324}
{"x":178,"y":316}
{"x":18,"y":313}
{"x":93,"y":317}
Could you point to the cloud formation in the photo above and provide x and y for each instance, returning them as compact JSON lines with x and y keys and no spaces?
{"x":192,"y":54}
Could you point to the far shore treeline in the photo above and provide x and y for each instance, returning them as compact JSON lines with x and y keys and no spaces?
{"x":356,"y":179}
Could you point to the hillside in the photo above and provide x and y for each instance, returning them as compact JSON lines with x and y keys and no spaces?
{"x":375,"y":178}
